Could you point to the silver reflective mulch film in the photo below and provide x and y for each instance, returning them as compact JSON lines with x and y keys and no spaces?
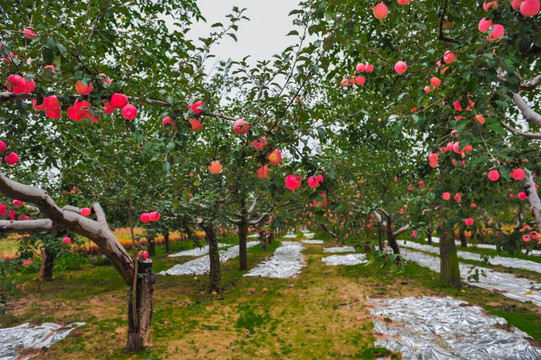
{"x":434,"y":328}
{"x":287,"y":262}
{"x":313,"y":242}
{"x":26,"y":341}
{"x":197,"y":251}
{"x":201,"y":265}
{"x":341,"y":249}
{"x":348,"y":259}
{"x":513,"y":287}
{"x":290,"y":236}
{"x":498,"y":260}
{"x":487,"y":246}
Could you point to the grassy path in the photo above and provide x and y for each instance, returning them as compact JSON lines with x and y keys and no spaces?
{"x":321,"y":314}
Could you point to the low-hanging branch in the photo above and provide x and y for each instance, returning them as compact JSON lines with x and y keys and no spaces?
{"x":68,"y":218}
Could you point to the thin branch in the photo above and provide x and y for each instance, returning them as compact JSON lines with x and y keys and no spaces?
{"x":515,"y":131}
{"x":441,"y":36}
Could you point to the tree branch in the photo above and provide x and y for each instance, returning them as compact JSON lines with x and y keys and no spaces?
{"x":401,"y":230}
{"x":22,"y":226}
{"x":100,"y":215}
{"x":515,"y":131}
{"x":441,"y":36}
{"x":258,"y":220}
{"x":533,"y":197}
{"x":536,"y":81}
{"x":528,"y":113}
{"x":102,"y":236}
{"x":252,"y":208}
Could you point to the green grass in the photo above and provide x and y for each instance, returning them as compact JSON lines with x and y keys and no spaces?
{"x":320,"y":314}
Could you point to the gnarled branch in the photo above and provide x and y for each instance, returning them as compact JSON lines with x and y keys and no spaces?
{"x":515,"y":131}
{"x":22,"y":226}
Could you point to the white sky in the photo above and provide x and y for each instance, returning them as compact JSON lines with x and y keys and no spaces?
{"x":261,"y":37}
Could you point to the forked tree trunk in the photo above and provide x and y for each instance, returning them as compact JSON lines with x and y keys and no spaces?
{"x":462,"y":238}
{"x":449,"y":270}
{"x":391,"y":239}
{"x":139,"y":334}
{"x":243,"y":251}
{"x":166,"y":242}
{"x":214,"y":256}
{"x":47,"y":265}
{"x":151,"y":246}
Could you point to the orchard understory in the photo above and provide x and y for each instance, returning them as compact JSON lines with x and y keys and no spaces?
{"x":385,"y":158}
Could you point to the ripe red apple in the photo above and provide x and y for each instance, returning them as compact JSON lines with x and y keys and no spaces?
{"x":11,"y":159}
{"x":241,"y":127}
{"x":66,"y":239}
{"x":3,"y":146}
{"x":16,"y":84}
{"x":129,"y":112}
{"x":29,"y":34}
{"x":380,"y":11}
{"x":196,"y":124}
{"x":167,"y":120}
{"x":529,"y":8}
{"x":145,"y":217}
{"x":274,"y":157}
{"x":293,"y":182}
{"x":119,"y":100}
{"x":85,"y":212}
{"x":400,"y":67}
{"x":17,"y":203}
{"x":215,"y":167}
{"x":82,"y":89}
{"x":449,"y":57}
{"x":154,"y":216}
{"x":142,"y":255}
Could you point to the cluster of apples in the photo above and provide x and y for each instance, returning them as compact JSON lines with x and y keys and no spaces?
{"x":152,"y":216}
{"x":358,"y":79}
{"x":532,"y":235}
{"x":196,"y":124}
{"x":293,"y":182}
{"x":527,"y":8}
{"x":11,"y":158}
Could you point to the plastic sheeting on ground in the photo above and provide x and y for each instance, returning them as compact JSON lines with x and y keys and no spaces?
{"x":312,"y":242}
{"x":290,"y":236}
{"x":487,"y":246}
{"x":341,"y":249}
{"x":201,"y":265}
{"x":286,"y":262}
{"x":348,"y":259}
{"x":433,"y":328}
{"x":25,"y":341}
{"x":309,"y":235}
{"x":197,"y":251}
{"x":499,"y":260}
{"x":511,"y":286}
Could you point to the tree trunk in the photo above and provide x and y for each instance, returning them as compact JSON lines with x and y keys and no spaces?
{"x":166,"y":242}
{"x":391,"y":238}
{"x":270,"y":237}
{"x":263,"y":241}
{"x":214,"y":256}
{"x":380,"y":239}
{"x":151,"y":246}
{"x":243,"y":253}
{"x":462,"y":237}
{"x":428,"y":233}
{"x":139,"y":334}
{"x":47,"y":265}
{"x":449,"y":270}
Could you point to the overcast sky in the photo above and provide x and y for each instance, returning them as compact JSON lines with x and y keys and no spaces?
{"x":261,"y":37}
